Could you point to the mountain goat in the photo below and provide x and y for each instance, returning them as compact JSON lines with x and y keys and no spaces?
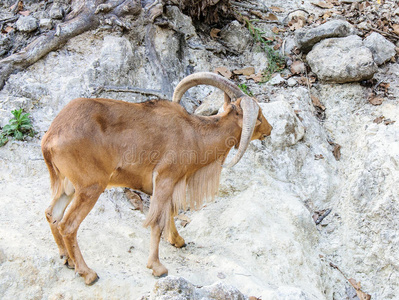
{"x":156,"y":147}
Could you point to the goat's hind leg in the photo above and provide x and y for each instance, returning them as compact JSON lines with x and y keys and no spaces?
{"x":82,"y":203}
{"x":54,"y":215}
{"x":173,"y":236}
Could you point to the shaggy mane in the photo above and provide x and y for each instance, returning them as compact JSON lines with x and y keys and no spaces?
{"x":192,"y":192}
{"x":200,"y":187}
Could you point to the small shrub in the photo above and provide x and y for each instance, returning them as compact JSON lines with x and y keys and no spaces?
{"x":276,"y":61}
{"x":18,"y":127}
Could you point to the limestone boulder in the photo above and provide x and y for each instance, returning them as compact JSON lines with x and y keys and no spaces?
{"x":342,"y":60}
{"x":306,"y":38}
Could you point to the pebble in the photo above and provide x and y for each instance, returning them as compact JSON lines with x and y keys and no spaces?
{"x":277,"y":80}
{"x":291,"y":82}
{"x":46,"y":24}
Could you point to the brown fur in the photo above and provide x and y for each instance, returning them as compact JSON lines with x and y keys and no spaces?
{"x":155,"y":147}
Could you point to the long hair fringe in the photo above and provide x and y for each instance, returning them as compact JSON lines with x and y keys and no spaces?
{"x":192,"y":192}
{"x":200,"y":187}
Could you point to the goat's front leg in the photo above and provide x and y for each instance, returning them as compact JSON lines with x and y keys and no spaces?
{"x":159,"y":219}
{"x":158,"y":269}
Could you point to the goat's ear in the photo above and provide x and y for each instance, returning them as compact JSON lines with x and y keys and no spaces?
{"x":257,"y":123}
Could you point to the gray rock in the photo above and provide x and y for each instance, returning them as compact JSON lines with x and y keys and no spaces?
{"x":5,"y":44}
{"x":287,"y":128}
{"x":236,"y":36}
{"x":290,"y":44}
{"x":221,"y":291}
{"x":46,"y":24}
{"x":178,"y":288}
{"x":27,"y":24}
{"x":382,"y":49}
{"x":211,"y":104}
{"x":56,"y":12}
{"x":291,"y":82}
{"x":276,"y":80}
{"x":306,"y":38}
{"x":180,"y":22}
{"x":342,"y":60}
{"x":173,"y":287}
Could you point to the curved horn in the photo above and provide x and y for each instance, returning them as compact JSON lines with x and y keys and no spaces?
{"x":250,"y":114}
{"x":207,"y":78}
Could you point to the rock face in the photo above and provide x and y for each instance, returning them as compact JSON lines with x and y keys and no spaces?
{"x":342,"y":60}
{"x":382,"y":49}
{"x":369,"y":192}
{"x":306,"y":38}
{"x":117,"y":57}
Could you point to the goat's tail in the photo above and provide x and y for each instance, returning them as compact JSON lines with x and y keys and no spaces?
{"x":59,"y":183}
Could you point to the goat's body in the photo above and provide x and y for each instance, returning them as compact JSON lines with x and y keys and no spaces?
{"x":155,"y":147}
{"x":134,"y":137}
{"x":152,"y":147}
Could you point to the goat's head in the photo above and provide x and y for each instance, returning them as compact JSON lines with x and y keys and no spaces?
{"x":250,"y":118}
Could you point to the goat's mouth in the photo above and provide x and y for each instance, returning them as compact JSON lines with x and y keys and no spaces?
{"x":264,"y":136}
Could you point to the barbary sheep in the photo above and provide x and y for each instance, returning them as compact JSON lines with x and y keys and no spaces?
{"x":156,"y":147}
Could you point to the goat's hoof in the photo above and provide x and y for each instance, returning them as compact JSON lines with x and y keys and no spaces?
{"x":158,"y":269}
{"x":178,"y":242}
{"x":68,"y":262}
{"x":161,"y":276}
{"x":91,"y":278}
{"x":160,"y":273}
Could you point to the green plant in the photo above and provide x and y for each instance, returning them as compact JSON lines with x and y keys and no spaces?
{"x":245,"y":89}
{"x":276,"y":61}
{"x":3,"y":139}
{"x":18,"y":127}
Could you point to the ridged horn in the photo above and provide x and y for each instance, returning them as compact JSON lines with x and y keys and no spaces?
{"x":250,"y":111}
{"x":207,"y":78}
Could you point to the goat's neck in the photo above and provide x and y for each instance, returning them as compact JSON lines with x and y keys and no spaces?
{"x":219,"y":134}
